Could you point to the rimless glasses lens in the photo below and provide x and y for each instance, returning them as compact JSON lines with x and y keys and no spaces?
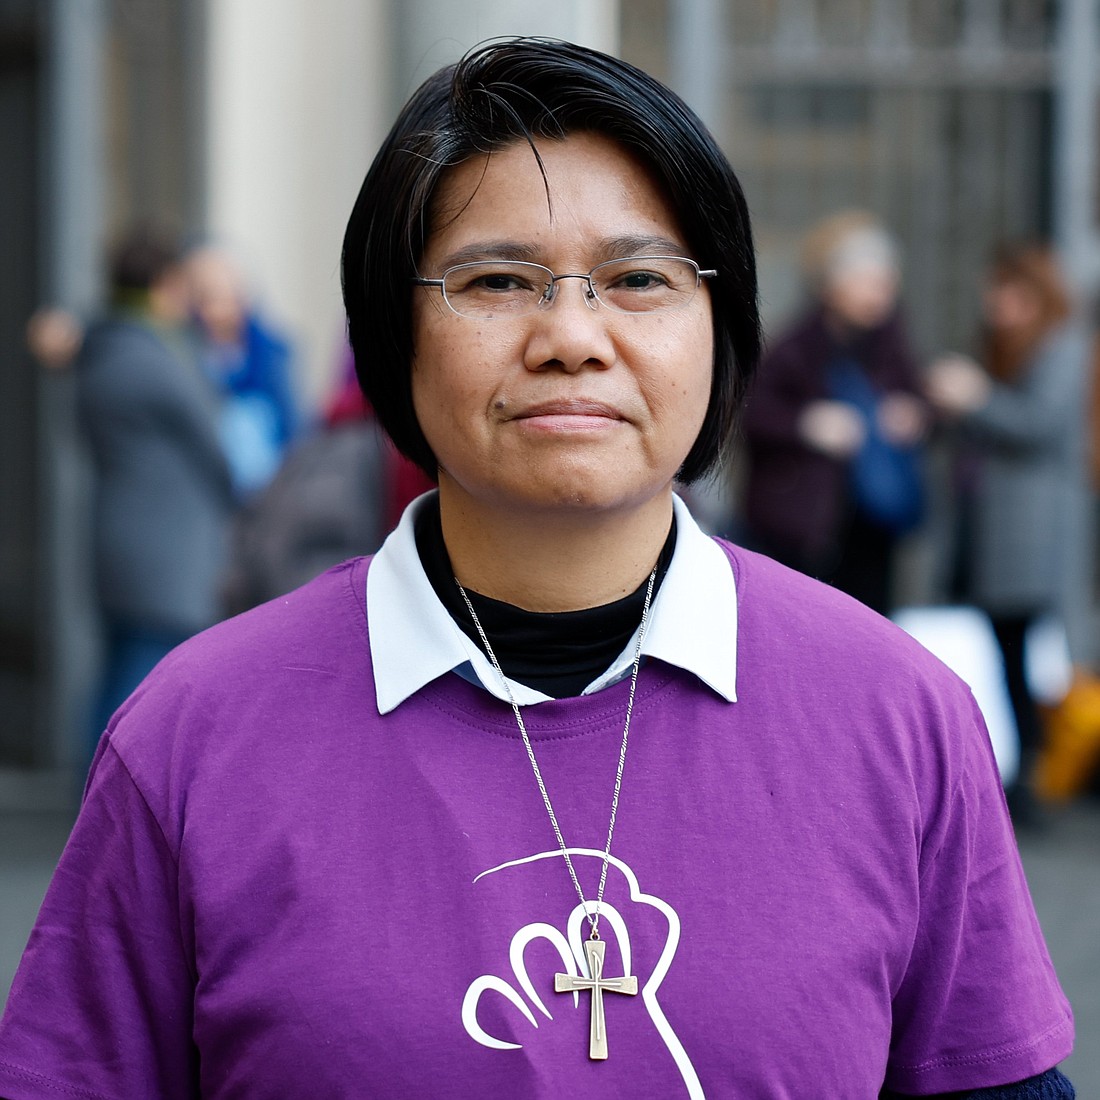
{"x":511,"y":288}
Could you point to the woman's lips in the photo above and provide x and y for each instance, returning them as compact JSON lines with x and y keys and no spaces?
{"x":575,"y":414}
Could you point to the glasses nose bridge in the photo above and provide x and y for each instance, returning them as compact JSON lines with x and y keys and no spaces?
{"x":591,"y":298}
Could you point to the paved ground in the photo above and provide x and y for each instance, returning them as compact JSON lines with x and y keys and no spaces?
{"x":29,"y":846}
{"x":1063,"y":866}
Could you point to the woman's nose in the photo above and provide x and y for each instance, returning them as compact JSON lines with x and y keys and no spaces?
{"x":587,"y":289}
{"x":570,"y":332}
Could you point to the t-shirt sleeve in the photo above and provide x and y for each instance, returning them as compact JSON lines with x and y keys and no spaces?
{"x":101,"y":1006}
{"x":980,"y":1003}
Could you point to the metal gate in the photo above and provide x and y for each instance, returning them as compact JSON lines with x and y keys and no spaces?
{"x":959,"y":122}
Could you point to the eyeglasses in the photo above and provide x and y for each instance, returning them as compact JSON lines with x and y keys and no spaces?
{"x":514,"y":288}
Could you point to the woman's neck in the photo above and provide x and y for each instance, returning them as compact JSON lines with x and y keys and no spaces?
{"x":542,"y":562}
{"x":557,"y":653}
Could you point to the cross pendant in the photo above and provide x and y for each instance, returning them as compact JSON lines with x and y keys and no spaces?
{"x":597,"y":985}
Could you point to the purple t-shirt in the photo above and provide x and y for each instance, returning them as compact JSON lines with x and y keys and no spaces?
{"x":273,"y":891}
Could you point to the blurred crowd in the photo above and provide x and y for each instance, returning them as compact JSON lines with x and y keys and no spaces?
{"x":216,"y":490}
{"x":841,"y":423}
{"x":213,"y":489}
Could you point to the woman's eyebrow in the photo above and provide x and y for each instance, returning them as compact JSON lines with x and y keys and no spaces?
{"x":623,"y":247}
{"x":610,"y":248}
{"x":490,"y":250}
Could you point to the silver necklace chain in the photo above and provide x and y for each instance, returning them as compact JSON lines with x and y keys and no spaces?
{"x":594,"y":916}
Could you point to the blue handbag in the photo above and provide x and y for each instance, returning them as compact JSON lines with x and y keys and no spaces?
{"x":886,"y":480}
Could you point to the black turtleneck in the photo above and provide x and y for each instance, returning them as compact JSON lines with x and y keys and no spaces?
{"x":558,"y":652}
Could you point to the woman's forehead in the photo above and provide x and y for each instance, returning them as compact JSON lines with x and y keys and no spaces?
{"x":583,"y":184}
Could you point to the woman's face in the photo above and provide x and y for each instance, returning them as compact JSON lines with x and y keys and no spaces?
{"x":1010,"y":305}
{"x":567,"y":408}
{"x":862,"y":296}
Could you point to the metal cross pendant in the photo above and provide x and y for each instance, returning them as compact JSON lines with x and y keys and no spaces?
{"x":597,"y":984}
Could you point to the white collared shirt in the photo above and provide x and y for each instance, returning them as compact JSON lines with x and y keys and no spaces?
{"x":413,"y":639}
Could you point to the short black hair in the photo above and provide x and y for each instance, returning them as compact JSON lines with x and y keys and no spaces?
{"x":520,"y":89}
{"x":141,"y":258}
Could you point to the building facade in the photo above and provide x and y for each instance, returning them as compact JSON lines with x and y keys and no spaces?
{"x":253,"y":121}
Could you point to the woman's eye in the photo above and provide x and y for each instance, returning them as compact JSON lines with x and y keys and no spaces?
{"x":500,"y":281}
{"x":639,"y":280}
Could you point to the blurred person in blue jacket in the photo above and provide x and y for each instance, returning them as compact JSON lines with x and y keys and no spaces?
{"x":249,"y":363}
{"x":162,"y":495}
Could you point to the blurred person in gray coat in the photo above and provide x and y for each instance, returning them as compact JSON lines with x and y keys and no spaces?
{"x":1021,"y":469}
{"x":162,"y":501}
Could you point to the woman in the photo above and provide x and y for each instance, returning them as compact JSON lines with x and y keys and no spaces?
{"x":384,"y":835}
{"x":834,"y":421}
{"x":1021,"y":419}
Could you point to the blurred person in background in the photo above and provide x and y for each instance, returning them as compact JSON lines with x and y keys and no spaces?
{"x":54,"y":336}
{"x":403,"y":480}
{"x":834,"y":422}
{"x":1021,"y":470}
{"x":341,"y":488}
{"x":250,"y":364}
{"x":162,"y":494}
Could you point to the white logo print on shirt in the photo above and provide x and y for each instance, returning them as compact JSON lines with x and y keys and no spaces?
{"x":569,"y":945}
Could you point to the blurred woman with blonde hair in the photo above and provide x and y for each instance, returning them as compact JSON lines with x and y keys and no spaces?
{"x":834,"y":421}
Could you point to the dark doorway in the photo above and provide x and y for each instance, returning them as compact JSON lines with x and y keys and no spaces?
{"x":21,"y":646}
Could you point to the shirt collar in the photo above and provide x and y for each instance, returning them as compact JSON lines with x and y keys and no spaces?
{"x":413,"y":640}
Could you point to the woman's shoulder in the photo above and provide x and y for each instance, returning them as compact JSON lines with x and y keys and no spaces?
{"x":320,"y":617}
{"x":785,"y":615}
{"x":113,"y":342}
{"x":318,"y":629}
{"x":1070,"y":344}
{"x":831,"y":671}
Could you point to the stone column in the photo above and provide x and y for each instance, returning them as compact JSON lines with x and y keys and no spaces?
{"x":1075,"y":141}
{"x":699,"y":52}
{"x":298,"y":96}
{"x":1075,"y":157}
{"x":73,"y":233}
{"x":296,"y":102}
{"x":431,"y":33}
